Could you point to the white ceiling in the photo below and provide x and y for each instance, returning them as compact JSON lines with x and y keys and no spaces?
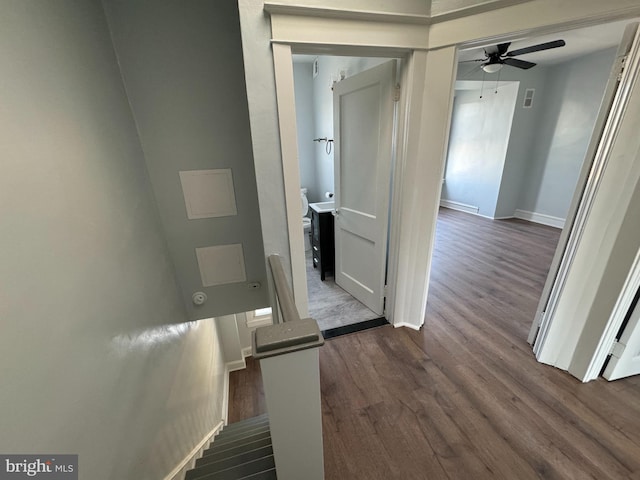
{"x":579,"y":42}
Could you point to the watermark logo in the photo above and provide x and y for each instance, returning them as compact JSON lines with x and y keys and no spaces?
{"x":49,"y":467}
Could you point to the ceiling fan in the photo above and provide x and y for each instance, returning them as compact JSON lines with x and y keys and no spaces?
{"x":498,"y":55}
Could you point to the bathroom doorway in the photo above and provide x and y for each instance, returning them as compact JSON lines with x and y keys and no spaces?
{"x":328,"y":244}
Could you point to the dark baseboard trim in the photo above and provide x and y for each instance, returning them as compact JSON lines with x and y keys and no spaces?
{"x":356,"y":327}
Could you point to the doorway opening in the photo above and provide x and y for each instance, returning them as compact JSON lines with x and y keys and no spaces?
{"x":514,"y":168}
{"x":332,"y":174}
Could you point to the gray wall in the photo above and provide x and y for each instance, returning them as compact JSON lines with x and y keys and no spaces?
{"x":523,"y":128}
{"x":183,"y":71}
{"x":570,"y":104}
{"x":522,"y":140}
{"x":478,"y":142}
{"x":303,"y":84}
{"x":95,"y":357}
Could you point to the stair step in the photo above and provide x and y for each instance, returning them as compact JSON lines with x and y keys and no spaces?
{"x":233,"y":436}
{"x":232,"y":430}
{"x":247,"y":422}
{"x":228,"y":430}
{"x":266,"y":475}
{"x":245,"y":470}
{"x":215,"y":448}
{"x":217,"y":456}
{"x":228,"y":462}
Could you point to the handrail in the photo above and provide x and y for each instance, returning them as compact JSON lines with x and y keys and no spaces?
{"x":283,"y":293}
{"x":292,"y":333}
{"x":289,"y":362}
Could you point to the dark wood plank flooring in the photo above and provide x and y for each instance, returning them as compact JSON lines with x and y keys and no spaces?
{"x":464,"y":398}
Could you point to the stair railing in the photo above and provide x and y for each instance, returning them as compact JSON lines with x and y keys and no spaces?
{"x":285,"y":305}
{"x":289,"y":360}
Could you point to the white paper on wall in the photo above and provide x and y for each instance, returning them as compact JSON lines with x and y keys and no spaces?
{"x":208,"y":193}
{"x":221,"y":264}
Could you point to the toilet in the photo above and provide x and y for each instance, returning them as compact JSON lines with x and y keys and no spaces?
{"x":306,"y":221}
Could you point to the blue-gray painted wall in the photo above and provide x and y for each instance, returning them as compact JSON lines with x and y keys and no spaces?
{"x":548,"y":141}
{"x":570,"y":105}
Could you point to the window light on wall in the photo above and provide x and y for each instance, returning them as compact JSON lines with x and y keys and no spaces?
{"x":259,"y":317}
{"x":262,"y":312}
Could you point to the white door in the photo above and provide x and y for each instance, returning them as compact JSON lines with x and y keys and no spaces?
{"x":625,"y":358}
{"x":363,"y":114}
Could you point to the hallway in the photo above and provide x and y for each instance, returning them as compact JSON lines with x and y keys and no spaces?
{"x":464,"y":397}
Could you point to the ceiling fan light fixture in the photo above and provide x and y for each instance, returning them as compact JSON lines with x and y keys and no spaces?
{"x":492,"y":67}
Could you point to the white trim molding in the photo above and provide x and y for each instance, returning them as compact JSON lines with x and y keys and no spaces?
{"x":285,"y":99}
{"x":276,"y":8}
{"x":345,"y":14}
{"x":628,"y":293}
{"x":225,"y":397}
{"x":300,"y":32}
{"x":542,"y":218}
{"x":408,"y":325}
{"x":461,"y":207}
{"x":188,"y":463}
{"x":235,"y":365}
{"x":247,"y":352}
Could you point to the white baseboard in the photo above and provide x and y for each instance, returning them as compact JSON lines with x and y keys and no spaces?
{"x":236,"y":365}
{"x":458,"y":206}
{"x":556,"y":222}
{"x":225,"y":395}
{"x":408,"y":325}
{"x":189,"y":461}
{"x":247,"y":352}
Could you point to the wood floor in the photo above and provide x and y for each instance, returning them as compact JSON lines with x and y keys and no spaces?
{"x":464,"y":397}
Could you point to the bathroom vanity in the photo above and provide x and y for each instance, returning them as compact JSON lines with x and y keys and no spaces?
{"x":322,"y":238}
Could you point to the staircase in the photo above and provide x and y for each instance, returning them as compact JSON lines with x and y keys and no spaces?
{"x":241,"y":451}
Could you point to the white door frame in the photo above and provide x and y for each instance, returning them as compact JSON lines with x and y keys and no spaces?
{"x":622,"y":307}
{"x":425,"y":118}
{"x":283,"y":65}
{"x":605,"y":132}
{"x":586,"y":186}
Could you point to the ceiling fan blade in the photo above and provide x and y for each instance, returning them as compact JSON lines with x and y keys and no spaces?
{"x":491,"y":50}
{"x":536,"y":48}
{"x":514,"y":62}
{"x":476,"y":60}
{"x":503,"y":47}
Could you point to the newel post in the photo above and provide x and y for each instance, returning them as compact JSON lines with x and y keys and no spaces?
{"x":289,"y":360}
